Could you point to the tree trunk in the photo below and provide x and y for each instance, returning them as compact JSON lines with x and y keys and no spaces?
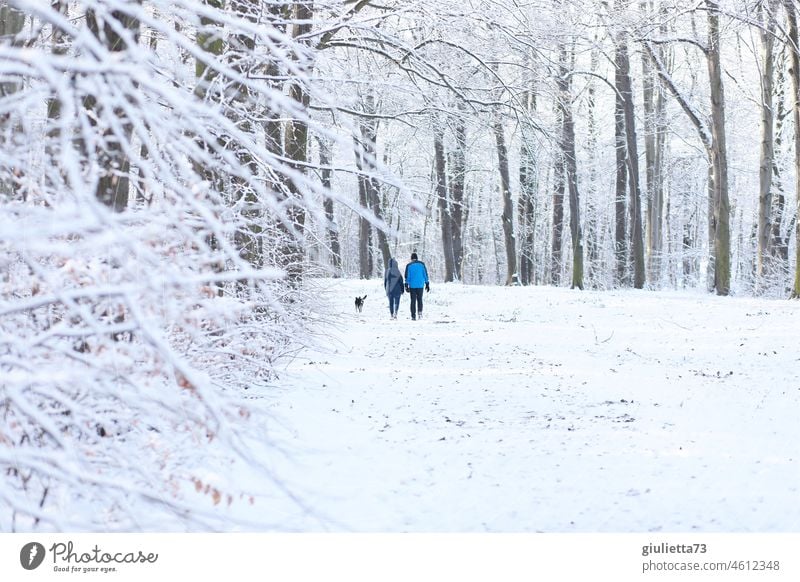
{"x":722,"y":247}
{"x":713,"y":140}
{"x":273,"y":126}
{"x":620,"y":226}
{"x":526,"y":207}
{"x":296,"y":150}
{"x":528,"y":177}
{"x":508,"y":206}
{"x":364,"y":237}
{"x":364,"y":225}
{"x":366,"y":162}
{"x":634,"y":208}
{"x":142,"y":177}
{"x":592,"y":215}
{"x":557,"y":232}
{"x":767,"y":159}
{"x":445,"y":219}
{"x":779,"y":243}
{"x":654,"y":142}
{"x":331,"y":229}
{"x":113,"y":186}
{"x":659,"y":204}
{"x":11,"y":23}
{"x":794,"y":71}
{"x":712,"y":224}
{"x":458,"y":175}
{"x":209,"y":39}
{"x":570,"y":168}
{"x":249,"y":235}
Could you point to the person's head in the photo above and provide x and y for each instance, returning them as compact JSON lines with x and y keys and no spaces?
{"x":413,"y":256}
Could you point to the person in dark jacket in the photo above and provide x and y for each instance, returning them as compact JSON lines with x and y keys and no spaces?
{"x":416,"y":281}
{"x":393,"y":283}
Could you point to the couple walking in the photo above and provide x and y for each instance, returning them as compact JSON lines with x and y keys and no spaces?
{"x":416,"y":279}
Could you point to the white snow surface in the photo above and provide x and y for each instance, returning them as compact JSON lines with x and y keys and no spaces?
{"x":541,"y":409}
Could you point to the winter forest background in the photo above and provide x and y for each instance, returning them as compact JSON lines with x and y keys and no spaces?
{"x":174,"y":175}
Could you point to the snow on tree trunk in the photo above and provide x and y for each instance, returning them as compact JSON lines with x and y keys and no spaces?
{"x":458,"y":175}
{"x":507,"y":216}
{"x":570,"y":167}
{"x":620,"y":193}
{"x":719,"y":156}
{"x":794,"y":72}
{"x":654,"y":141}
{"x":443,"y":204}
{"x":331,"y":228}
{"x":632,"y":159}
{"x":369,"y":187}
{"x":767,"y":158}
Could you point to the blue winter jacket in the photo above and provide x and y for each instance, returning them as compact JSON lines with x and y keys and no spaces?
{"x":416,"y":275}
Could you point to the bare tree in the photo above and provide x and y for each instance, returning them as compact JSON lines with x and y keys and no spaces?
{"x":567,"y":144}
{"x":369,"y":186}
{"x":457,"y":182}
{"x":712,"y":136}
{"x":331,"y":229}
{"x":625,"y":89}
{"x":507,"y":216}
{"x":794,"y":72}
{"x":444,"y":205}
{"x":620,"y":193}
{"x":719,"y":156}
{"x":296,"y":136}
{"x":557,"y":224}
{"x":117,"y":31}
{"x":528,"y":185}
{"x":11,"y":24}
{"x":767,"y":158}
{"x":654,"y":104}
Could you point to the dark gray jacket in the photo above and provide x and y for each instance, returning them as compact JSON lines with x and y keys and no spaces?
{"x":393,"y":280}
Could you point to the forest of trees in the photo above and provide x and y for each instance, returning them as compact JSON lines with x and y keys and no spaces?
{"x":514,"y":125}
{"x":173,"y":172}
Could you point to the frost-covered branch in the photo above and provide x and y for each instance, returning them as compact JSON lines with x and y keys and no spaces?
{"x":135,"y":328}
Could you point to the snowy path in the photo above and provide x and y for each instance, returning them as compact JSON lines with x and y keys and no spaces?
{"x":541,"y":409}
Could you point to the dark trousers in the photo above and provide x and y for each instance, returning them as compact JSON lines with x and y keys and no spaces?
{"x":394,"y":303}
{"x":416,"y":302}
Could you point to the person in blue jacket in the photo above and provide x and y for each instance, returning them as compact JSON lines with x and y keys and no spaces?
{"x":393,"y":283}
{"x":416,"y":281}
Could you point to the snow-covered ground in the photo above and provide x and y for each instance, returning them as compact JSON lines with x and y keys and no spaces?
{"x":543,"y":410}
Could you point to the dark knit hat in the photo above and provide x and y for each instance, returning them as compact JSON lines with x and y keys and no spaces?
{"x":413,"y":256}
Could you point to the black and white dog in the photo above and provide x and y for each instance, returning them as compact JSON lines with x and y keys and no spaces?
{"x":360,"y":303}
